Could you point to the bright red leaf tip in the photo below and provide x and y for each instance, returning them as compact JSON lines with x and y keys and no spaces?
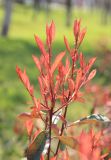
{"x":91,"y":75}
{"x":57,"y":61}
{"x":37,"y":62}
{"x":50,"y":34}
{"x":24,"y":78}
{"x":29,"y":126}
{"x":67,"y":44}
{"x":40,"y":45}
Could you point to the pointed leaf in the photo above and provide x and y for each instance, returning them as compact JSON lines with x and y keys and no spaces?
{"x":52,"y":31}
{"x":57,"y":61}
{"x":54,"y":158}
{"x":29,"y":126}
{"x":71,"y":85}
{"x":91,"y":62}
{"x":40,"y":45}
{"x":37,"y":62}
{"x":81,"y":35}
{"x":35,"y":149}
{"x":67,"y":44}
{"x":62,"y":146}
{"x":24,"y":78}
{"x":78,"y":78}
{"x":25,"y":116}
{"x":92,"y":119}
{"x":91,"y":75}
{"x":69,"y":141}
{"x":82,"y":61}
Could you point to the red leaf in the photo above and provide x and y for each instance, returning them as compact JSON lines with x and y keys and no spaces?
{"x":54,"y":158}
{"x":91,"y":75}
{"x":57,"y":61}
{"x":50,"y":32}
{"x":81,"y":35}
{"x":40,"y":45}
{"x":37,"y":62}
{"x":29,"y":126}
{"x":91,"y":62}
{"x":82,"y":62}
{"x":25,"y":116}
{"x":24,"y":78}
{"x":71,"y":85}
{"x":67,"y":44}
{"x":78,"y":78}
{"x":42,"y":157}
{"x":76,"y":27}
{"x":41,"y":85}
{"x":57,"y":85}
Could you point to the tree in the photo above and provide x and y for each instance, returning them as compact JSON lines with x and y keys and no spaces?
{"x":36,"y":4}
{"x":48,"y":2}
{"x":107,"y":9}
{"x":68,"y":15}
{"x":7,"y":17}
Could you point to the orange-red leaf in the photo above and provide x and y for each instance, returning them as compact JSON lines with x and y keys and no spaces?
{"x":78,"y":78}
{"x":76,"y":28}
{"x":57,"y":61}
{"x":82,"y":62}
{"x":24,"y":78}
{"x":40,"y":45}
{"x":37,"y":62}
{"x":67,"y":44}
{"x":54,"y":158}
{"x":29,"y":126}
{"x":91,"y":62}
{"x":91,"y":75}
{"x":71,"y":85}
{"x":81,"y":35}
{"x":25,"y":116}
{"x":52,"y":31}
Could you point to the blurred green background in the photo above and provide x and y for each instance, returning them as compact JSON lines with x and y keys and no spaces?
{"x":19,"y":21}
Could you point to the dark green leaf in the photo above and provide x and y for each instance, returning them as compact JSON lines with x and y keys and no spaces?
{"x":62,"y":146}
{"x":35,"y":149}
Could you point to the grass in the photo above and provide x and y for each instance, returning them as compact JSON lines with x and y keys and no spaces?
{"x":17,"y":49}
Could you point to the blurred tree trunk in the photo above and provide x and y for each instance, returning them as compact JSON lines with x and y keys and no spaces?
{"x":36,"y":4}
{"x":106,"y":11}
{"x":7,"y":17}
{"x":68,"y":10}
{"x":48,"y":2}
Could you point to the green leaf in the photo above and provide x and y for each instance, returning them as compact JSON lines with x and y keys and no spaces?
{"x":108,"y":156}
{"x":35,"y":149}
{"x":92,"y":119}
{"x":62,"y":146}
{"x":69,"y":141}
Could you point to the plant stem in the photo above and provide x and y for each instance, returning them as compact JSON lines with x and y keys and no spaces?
{"x":50,"y":134}
{"x":62,"y":129}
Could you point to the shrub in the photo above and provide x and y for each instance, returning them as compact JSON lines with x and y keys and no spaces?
{"x":60,"y":84}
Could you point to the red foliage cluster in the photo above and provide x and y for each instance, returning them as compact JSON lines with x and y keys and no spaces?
{"x":58,"y":89}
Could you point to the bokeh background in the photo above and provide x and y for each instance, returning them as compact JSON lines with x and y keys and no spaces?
{"x":19,"y":21}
